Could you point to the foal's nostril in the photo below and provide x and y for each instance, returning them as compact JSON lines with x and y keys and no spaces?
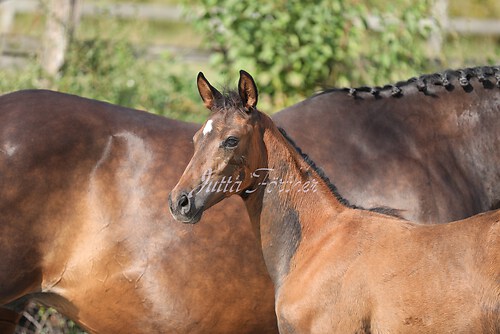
{"x":183,"y":201}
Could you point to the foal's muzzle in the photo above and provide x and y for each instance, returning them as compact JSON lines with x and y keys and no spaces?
{"x":183,"y":208}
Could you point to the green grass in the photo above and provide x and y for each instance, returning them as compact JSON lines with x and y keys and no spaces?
{"x":143,"y":32}
{"x":28,"y":24}
{"x":175,"y":33}
{"x":160,"y":2}
{"x":482,"y":9}
{"x":461,"y":51}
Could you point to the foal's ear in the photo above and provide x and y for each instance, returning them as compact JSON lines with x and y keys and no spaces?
{"x":248,"y":91}
{"x":208,"y":93}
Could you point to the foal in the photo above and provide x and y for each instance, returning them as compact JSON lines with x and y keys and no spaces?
{"x":337,"y":268}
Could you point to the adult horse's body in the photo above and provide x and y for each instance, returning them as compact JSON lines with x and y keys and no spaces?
{"x":428,"y":147}
{"x":336,"y":268}
{"x":85,"y":226}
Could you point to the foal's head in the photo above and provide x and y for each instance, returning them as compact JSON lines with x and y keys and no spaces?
{"x":227,"y":149}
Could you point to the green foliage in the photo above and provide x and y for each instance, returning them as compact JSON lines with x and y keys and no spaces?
{"x":396,"y":51}
{"x":295,"y":46}
{"x":15,"y":79}
{"x":114,"y":70}
{"x":475,"y":8}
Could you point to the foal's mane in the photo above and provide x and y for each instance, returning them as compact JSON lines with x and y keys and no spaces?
{"x":331,"y":186}
{"x":447,"y":79}
{"x":230,"y":99}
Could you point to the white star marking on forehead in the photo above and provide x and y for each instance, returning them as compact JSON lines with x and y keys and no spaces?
{"x":208,"y":127}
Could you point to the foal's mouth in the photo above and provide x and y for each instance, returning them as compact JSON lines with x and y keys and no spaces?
{"x":186,"y":213}
{"x":192,"y":219}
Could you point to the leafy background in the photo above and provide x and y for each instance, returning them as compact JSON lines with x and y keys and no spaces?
{"x":293,"y":48}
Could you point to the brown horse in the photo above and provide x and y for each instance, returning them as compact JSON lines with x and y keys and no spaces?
{"x":85,"y":226}
{"x":441,"y":167}
{"x":337,"y":269}
{"x":428,"y":146}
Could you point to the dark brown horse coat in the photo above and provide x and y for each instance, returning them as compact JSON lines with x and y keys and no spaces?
{"x":85,"y":225}
{"x":429,"y":147}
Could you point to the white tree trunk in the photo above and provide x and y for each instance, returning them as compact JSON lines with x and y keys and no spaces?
{"x":440,"y":14}
{"x":61,"y":18}
{"x":7,"y":13}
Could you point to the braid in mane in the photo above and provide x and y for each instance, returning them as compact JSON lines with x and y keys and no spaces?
{"x":489,"y":76}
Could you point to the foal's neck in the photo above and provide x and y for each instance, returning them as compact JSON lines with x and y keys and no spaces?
{"x":292,"y":201}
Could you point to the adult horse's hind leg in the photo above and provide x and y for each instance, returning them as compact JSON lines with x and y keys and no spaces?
{"x":11,"y":313}
{"x":8,"y":320}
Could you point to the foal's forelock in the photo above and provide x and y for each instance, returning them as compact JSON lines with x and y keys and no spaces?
{"x":230,"y":100}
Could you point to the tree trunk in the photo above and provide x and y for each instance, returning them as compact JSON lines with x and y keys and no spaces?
{"x":439,"y":11}
{"x":61,"y":19}
{"x":7,"y":13}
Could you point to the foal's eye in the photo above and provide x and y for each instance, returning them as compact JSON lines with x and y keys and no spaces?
{"x":230,"y":142}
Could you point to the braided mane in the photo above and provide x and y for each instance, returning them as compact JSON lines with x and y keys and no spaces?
{"x":489,"y":76}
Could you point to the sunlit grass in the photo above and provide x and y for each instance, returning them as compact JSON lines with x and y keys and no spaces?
{"x":486,"y":9}
{"x":175,"y":33}
{"x":160,"y":2}
{"x":462,"y":51}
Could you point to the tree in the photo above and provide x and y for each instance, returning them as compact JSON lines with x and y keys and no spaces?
{"x":61,"y":19}
{"x":298,"y":46}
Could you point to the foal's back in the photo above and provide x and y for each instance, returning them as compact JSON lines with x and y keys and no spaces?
{"x":379,"y":274}
{"x":447,"y":276}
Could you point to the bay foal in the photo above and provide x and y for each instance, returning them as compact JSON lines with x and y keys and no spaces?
{"x":337,"y":269}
